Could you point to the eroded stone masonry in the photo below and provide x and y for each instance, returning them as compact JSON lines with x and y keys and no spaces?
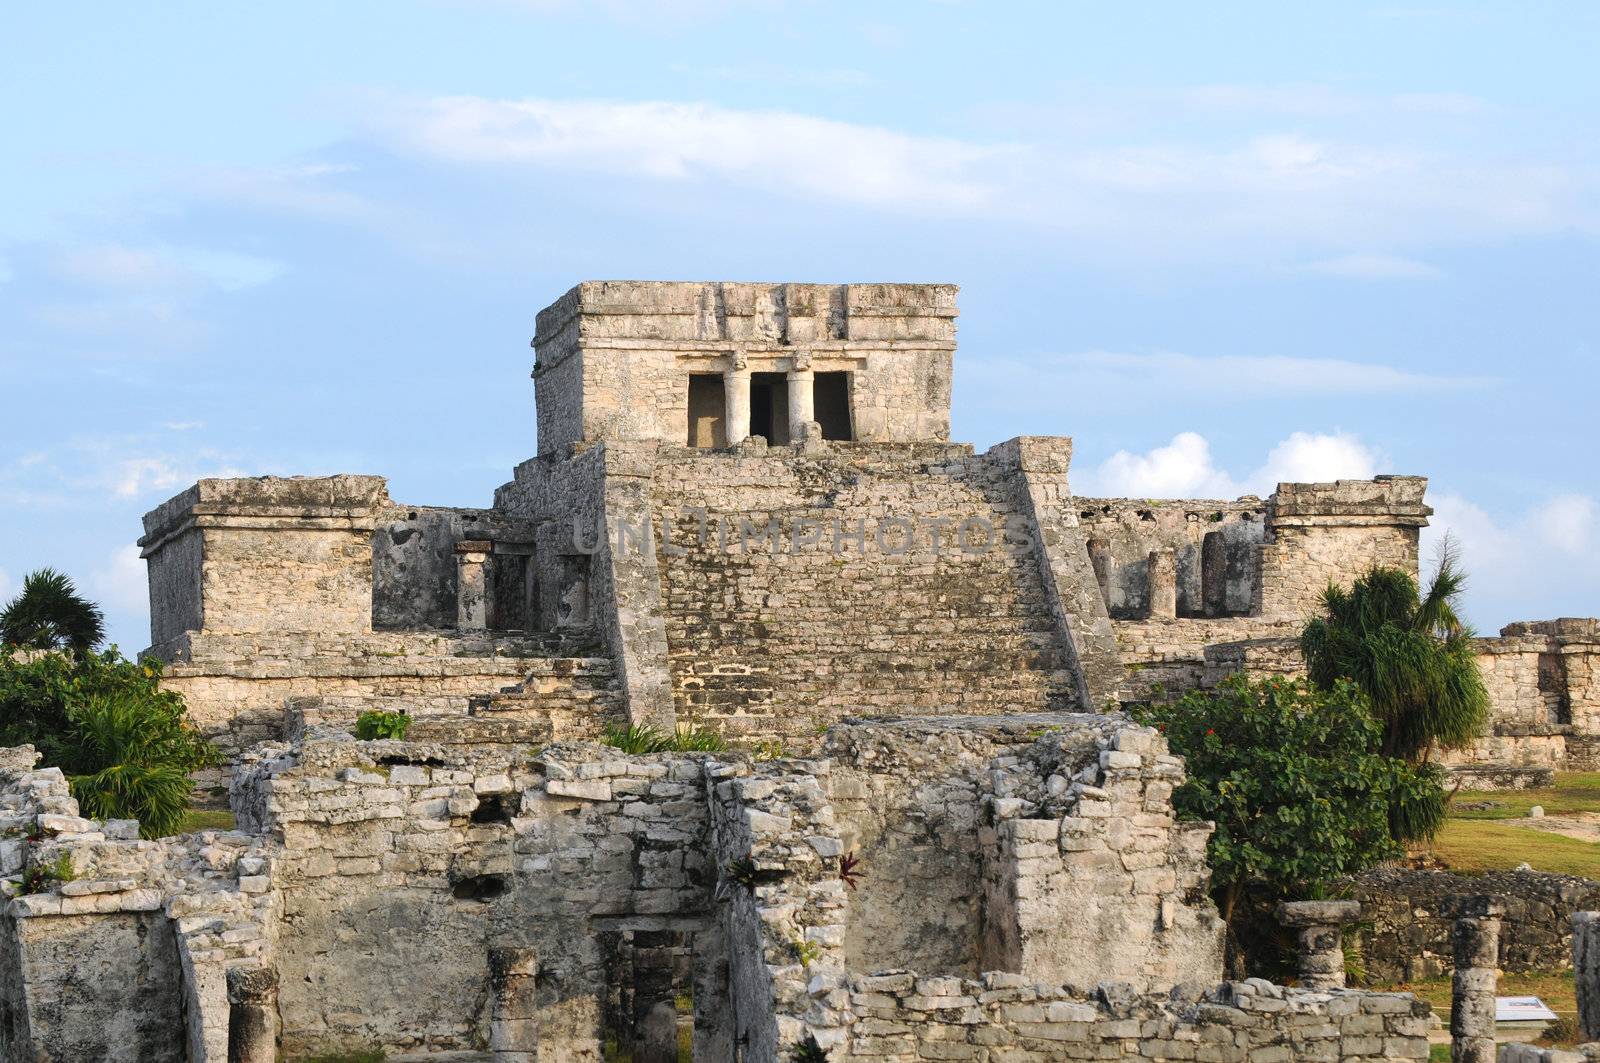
{"x":938,"y":837}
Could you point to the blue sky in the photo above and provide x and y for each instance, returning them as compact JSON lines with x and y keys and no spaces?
{"x":1216,"y":244}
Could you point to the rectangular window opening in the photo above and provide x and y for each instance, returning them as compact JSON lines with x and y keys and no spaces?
{"x":769,"y":407}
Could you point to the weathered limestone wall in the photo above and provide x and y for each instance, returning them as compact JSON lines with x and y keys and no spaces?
{"x":614,"y":357}
{"x":1213,"y":543}
{"x":903,"y":1016}
{"x":274,"y":555}
{"x":237,"y":687}
{"x":1405,"y":933}
{"x":129,"y":959}
{"x":771,"y":631}
{"x":405,"y":863}
{"x":589,"y":572}
{"x":1322,"y":533}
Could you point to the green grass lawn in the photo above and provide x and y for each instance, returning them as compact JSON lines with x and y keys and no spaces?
{"x":1480,"y":839}
{"x":205,"y":819}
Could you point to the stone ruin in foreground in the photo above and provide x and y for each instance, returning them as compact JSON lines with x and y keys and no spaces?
{"x":744,"y":515}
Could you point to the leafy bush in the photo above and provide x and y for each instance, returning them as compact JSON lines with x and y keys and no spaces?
{"x":691,"y":739}
{"x":123,"y":742}
{"x":371,"y":726}
{"x":130,"y":757}
{"x":49,"y":614}
{"x":635,"y":739}
{"x":1294,"y":778}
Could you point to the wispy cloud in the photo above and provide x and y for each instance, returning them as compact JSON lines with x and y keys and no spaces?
{"x":120,"y":583}
{"x":1144,"y":195}
{"x":686,"y":142}
{"x":992,"y":381}
{"x":1375,"y":267}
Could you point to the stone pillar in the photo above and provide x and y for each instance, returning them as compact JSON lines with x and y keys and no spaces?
{"x":513,"y":1023}
{"x":1475,"y":940}
{"x":252,"y":1015}
{"x":1318,"y":924}
{"x":1586,"y":971}
{"x":736,"y":401}
{"x":802,"y":401}
{"x":474,"y":589}
{"x":1161,"y":585}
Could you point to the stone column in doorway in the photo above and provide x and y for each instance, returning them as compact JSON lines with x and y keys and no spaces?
{"x":513,"y":1020}
{"x":1162,"y":585}
{"x":736,"y":397}
{"x":252,"y":1015}
{"x":1321,"y":953}
{"x":802,"y":397}
{"x":473,"y":589}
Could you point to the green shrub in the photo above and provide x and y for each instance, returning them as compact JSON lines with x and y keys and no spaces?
{"x":1294,"y":778}
{"x":130,"y":757}
{"x":635,"y":739}
{"x":642,"y":738}
{"x":123,"y":742}
{"x":371,"y":726}
{"x":808,"y":1051}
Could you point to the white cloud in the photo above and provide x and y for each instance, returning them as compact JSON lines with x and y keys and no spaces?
{"x":182,"y":426}
{"x":1181,"y":469}
{"x":1548,"y":554}
{"x":136,"y":477}
{"x":1184,"y":468}
{"x":1307,"y":457}
{"x":991,"y":382}
{"x":1134,"y":195}
{"x":777,"y":150}
{"x":1375,"y":267}
{"x":120,"y":582}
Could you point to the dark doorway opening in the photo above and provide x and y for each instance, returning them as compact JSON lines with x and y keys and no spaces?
{"x":769,"y":407}
{"x":832,"y":400}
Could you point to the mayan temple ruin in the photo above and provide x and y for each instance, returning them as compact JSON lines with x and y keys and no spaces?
{"x":937,"y":835}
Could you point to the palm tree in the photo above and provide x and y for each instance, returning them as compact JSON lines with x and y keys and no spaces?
{"x":50,"y":614}
{"x":1411,"y":653}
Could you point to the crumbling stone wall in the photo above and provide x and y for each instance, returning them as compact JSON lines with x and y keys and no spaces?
{"x":414,"y":568}
{"x":1214,"y":546}
{"x":237,"y":686}
{"x":1405,"y":928}
{"x":900,"y":1015}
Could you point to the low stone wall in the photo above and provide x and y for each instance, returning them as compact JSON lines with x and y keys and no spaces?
{"x":1004,"y":1018}
{"x":1520,"y":1053}
{"x":1409,"y":934}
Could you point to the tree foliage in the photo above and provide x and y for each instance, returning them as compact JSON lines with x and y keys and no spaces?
{"x":50,"y":614}
{"x":123,"y":742}
{"x":1409,"y":652}
{"x":1295,"y":779}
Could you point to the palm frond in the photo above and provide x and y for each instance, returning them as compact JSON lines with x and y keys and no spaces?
{"x":50,"y":614}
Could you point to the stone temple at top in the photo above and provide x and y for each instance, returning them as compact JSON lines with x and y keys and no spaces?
{"x":746,"y":513}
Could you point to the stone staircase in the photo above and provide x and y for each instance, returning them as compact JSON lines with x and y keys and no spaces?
{"x":778,"y":643}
